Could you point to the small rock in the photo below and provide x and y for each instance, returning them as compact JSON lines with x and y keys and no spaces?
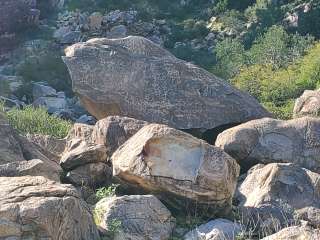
{"x":117,"y":32}
{"x":137,"y":217}
{"x":215,"y":230}
{"x":39,"y":90}
{"x":295,"y":233}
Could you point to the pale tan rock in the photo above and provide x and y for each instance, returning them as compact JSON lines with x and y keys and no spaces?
{"x":218,"y":229}
{"x":134,"y":77}
{"x":38,"y":208}
{"x":113,"y":131}
{"x":140,"y":217}
{"x":168,"y":161}
{"x":274,"y":141}
{"x":35,"y":167}
{"x":295,"y":233}
{"x":308,"y":104}
{"x":278,"y":194}
{"x":53,"y":147}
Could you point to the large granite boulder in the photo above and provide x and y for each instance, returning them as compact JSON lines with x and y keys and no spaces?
{"x":178,"y":167}
{"x":218,"y":229}
{"x":295,"y":233}
{"x":38,"y":208}
{"x":139,"y":217}
{"x":276,"y":195}
{"x":15,"y":15}
{"x":270,"y":140}
{"x":134,"y":77}
{"x":308,"y":104}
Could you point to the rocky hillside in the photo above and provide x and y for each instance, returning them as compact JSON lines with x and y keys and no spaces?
{"x":159,"y":120}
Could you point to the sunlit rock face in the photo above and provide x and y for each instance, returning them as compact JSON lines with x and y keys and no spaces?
{"x":136,"y":78}
{"x":177,"y":166}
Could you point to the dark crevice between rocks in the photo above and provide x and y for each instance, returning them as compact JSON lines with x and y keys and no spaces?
{"x":210,"y":136}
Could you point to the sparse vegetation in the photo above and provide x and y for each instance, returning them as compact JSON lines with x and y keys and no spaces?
{"x":106,"y":191}
{"x":36,"y":120}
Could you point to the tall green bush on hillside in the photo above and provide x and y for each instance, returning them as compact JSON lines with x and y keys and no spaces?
{"x":277,"y":88}
{"x":231,"y":57}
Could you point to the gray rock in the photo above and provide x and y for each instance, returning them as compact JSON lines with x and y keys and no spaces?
{"x":139,"y":217}
{"x":52,"y":104}
{"x":137,"y":78}
{"x":218,"y":229}
{"x":273,"y":196}
{"x":91,"y":175}
{"x":38,"y":208}
{"x":178,"y":167}
{"x":270,"y":140}
{"x":65,"y":35}
{"x":295,"y":233}
{"x":39,"y":90}
{"x":119,"y":31}
{"x":33,"y":167}
{"x":52,"y":146}
{"x":85,"y":119}
{"x":308,"y":104}
{"x":83,"y":154}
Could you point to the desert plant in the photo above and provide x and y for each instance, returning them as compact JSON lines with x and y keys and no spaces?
{"x":106,"y":191}
{"x":37,"y":120}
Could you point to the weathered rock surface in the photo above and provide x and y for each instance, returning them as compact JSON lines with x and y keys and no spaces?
{"x":218,"y":229}
{"x":308,"y":104}
{"x":15,"y":148}
{"x":35,"y":167}
{"x":140,"y":217}
{"x":134,"y":77}
{"x":53,"y":147}
{"x":113,"y":131}
{"x":275,"y":194}
{"x":82,"y":155}
{"x":9,"y":146}
{"x":91,"y":175}
{"x":37,"y":208}
{"x":268,"y":140}
{"x":169,"y":161}
{"x":295,"y":233}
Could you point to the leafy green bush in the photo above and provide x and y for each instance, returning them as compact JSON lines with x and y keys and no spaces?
{"x":278,"y":88}
{"x":106,"y":191}
{"x":37,"y":120}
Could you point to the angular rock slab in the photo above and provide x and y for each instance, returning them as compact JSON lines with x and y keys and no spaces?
{"x":37,"y":208}
{"x":295,"y":233}
{"x":168,"y":161}
{"x":140,"y":217}
{"x":113,"y":131}
{"x":215,"y":230}
{"x":136,"y":78}
{"x":274,"y":194}
{"x":15,"y":148}
{"x":274,"y":141}
{"x":34,"y":167}
{"x":308,"y":104}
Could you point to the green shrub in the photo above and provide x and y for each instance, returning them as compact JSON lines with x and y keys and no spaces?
{"x":106,"y":191}
{"x":37,"y":121}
